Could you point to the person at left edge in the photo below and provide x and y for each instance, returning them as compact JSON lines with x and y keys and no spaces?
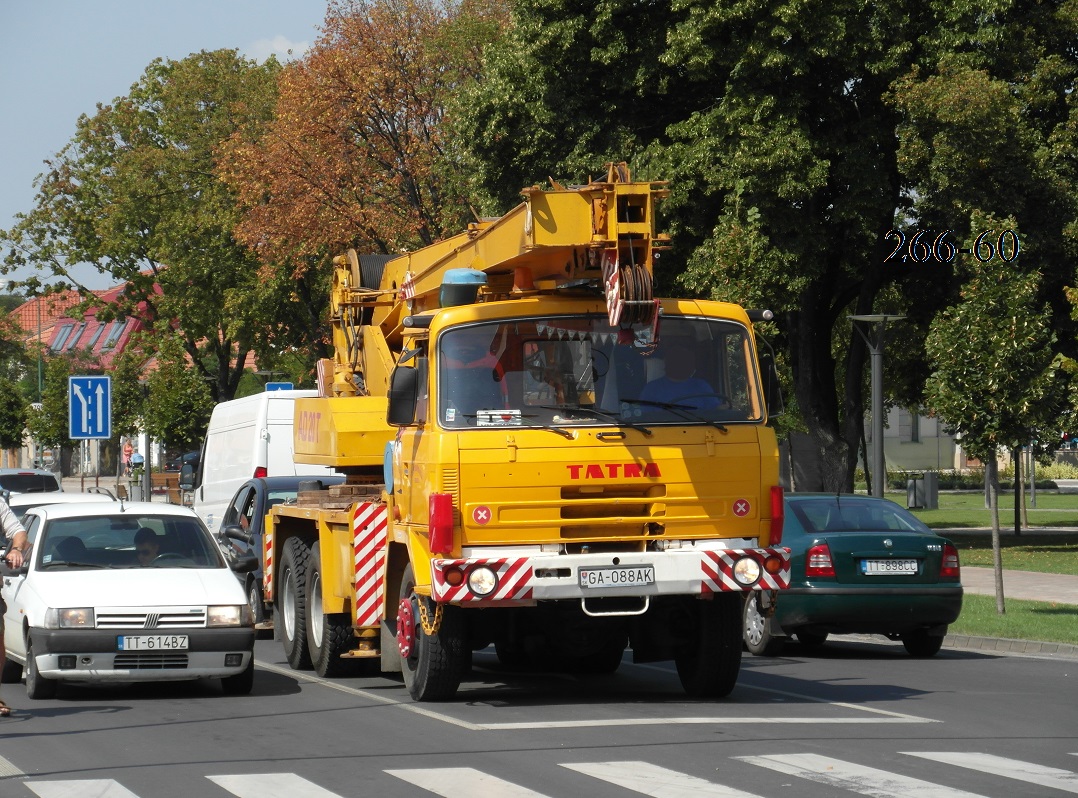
{"x":13,"y":536}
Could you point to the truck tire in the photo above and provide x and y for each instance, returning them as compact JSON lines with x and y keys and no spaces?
{"x":759,"y":639}
{"x":709,"y":665}
{"x":292,"y":603}
{"x":328,"y":634}
{"x":432,"y":665}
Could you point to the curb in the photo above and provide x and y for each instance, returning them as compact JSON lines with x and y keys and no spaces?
{"x":1008,"y":646}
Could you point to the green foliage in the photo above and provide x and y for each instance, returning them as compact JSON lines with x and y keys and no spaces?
{"x":13,"y":408}
{"x":48,"y":425}
{"x":179,"y":402}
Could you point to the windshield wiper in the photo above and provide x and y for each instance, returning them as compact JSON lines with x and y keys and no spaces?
{"x":76,"y":564}
{"x":613,"y":419}
{"x":550,"y":427}
{"x":679,"y":409}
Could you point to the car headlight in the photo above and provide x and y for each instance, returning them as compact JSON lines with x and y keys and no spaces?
{"x":229,"y":615}
{"x":69,"y":618}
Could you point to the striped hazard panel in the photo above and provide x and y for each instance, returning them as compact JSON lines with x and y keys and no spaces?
{"x":369,"y":530}
{"x":514,"y":580}
{"x":719,"y":565}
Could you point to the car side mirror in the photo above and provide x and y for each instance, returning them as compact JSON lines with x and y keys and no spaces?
{"x":244,"y":564}
{"x":187,"y":477}
{"x":403,"y":396}
{"x":772,"y":387}
{"x":237,"y":533}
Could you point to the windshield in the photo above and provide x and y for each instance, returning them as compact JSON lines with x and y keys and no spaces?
{"x":578,"y":370}
{"x":29,"y":482}
{"x":127,"y":541}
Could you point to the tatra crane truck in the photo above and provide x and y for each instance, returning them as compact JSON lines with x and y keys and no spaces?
{"x":541,"y":456}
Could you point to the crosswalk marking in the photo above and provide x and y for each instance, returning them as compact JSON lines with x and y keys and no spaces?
{"x":849,"y":776}
{"x":271,"y":785}
{"x":453,"y":782}
{"x":80,"y":788}
{"x":649,"y":779}
{"x":1058,"y":778}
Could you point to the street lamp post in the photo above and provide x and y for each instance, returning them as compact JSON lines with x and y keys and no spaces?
{"x":875,"y":341}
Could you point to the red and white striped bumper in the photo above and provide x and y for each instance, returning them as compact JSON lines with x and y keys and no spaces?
{"x":525,"y":580}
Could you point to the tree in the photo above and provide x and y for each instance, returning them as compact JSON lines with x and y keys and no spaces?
{"x":178,"y":403}
{"x":13,"y":409}
{"x":995,"y":377}
{"x":795,"y":137}
{"x":48,"y":425}
{"x":357,"y":155}
{"x":135,"y":194}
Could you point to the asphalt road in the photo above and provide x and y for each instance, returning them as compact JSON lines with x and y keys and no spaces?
{"x":855,"y":717}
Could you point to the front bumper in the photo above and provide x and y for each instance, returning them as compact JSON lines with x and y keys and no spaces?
{"x":524,"y":580}
{"x":91,"y":655}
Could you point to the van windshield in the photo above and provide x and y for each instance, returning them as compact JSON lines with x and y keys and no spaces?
{"x":578,"y":370}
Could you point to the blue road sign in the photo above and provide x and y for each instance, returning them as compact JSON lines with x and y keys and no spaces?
{"x":89,"y":407}
{"x":279,"y":386}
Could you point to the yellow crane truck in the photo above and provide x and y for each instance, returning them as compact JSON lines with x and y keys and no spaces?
{"x":541,"y":456}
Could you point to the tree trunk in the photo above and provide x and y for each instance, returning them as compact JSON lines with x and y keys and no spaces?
{"x":991,"y":471}
{"x":1019,"y":493}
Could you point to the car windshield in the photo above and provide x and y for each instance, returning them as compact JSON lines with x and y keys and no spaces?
{"x":842,"y":514}
{"x":578,"y":370}
{"x":126,"y":541}
{"x":28,"y":482}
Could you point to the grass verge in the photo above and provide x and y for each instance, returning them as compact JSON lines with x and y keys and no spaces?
{"x":1047,"y":554}
{"x":1024,"y":620}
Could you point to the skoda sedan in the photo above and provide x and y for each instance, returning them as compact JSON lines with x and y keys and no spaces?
{"x":859,"y":565}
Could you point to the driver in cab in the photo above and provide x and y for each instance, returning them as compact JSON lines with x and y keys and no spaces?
{"x":680,"y":385}
{"x":146,"y":545}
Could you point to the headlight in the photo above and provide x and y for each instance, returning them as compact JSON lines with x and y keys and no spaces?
{"x":747,"y":570}
{"x":70,"y":618}
{"x":229,"y":615}
{"x":482,"y":581}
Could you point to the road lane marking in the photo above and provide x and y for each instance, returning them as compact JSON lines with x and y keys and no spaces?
{"x":271,"y":785}
{"x":649,"y":779}
{"x":849,"y":776}
{"x":876,"y":716}
{"x":1057,"y":778}
{"x":80,"y":788}
{"x":7,"y":768}
{"x":454,"y":782}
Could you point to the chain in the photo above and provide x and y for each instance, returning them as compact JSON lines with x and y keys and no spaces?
{"x":429,"y":629}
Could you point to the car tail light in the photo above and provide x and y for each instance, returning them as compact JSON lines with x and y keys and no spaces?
{"x":261,"y":472}
{"x":778,"y":515}
{"x":949,"y":564}
{"x":440,"y":523}
{"x":818,"y":561}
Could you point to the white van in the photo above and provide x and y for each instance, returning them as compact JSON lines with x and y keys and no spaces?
{"x":248,"y":437}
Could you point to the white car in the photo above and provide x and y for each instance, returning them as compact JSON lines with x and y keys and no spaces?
{"x":101,"y":600}
{"x":21,"y":502}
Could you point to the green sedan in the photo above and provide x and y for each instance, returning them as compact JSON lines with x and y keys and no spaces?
{"x":859,"y":565}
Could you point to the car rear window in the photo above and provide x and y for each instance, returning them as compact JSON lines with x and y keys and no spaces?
{"x":28,"y":483}
{"x":828,"y":514}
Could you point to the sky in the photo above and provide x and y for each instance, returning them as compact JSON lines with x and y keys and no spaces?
{"x":60,"y":58}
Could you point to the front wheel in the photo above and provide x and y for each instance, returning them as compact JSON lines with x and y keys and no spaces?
{"x":254,"y":598}
{"x":37,"y":686}
{"x":709,"y":664}
{"x":329,"y":635}
{"x":432,"y":664}
{"x":293,"y":603}
{"x":757,"y":630}
{"x":922,"y":644}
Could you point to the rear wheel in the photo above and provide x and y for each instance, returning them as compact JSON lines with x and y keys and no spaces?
{"x":709,"y":665}
{"x":757,"y":630}
{"x":922,"y":644}
{"x":37,"y":686}
{"x":328,"y":634}
{"x":242,"y":682}
{"x":432,"y":664}
{"x":293,"y":603}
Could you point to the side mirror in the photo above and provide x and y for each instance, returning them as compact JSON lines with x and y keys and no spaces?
{"x":237,"y":533}
{"x":403,"y":396}
{"x":772,"y":387}
{"x":187,"y":477}
{"x":244,"y":564}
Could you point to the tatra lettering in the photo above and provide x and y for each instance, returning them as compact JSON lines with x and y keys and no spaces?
{"x":613,"y":470}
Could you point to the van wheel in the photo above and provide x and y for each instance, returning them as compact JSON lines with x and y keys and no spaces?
{"x":433,"y":665}
{"x":328,"y":634}
{"x":293,"y":603}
